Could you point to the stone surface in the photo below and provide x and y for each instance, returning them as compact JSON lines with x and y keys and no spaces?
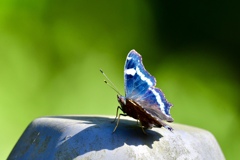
{"x":91,"y":137}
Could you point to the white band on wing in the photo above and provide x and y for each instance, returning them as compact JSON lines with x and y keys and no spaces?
{"x":143,"y":77}
{"x":130,"y":71}
{"x":158,"y":98}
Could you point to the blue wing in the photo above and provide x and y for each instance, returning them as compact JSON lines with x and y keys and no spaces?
{"x":136,"y":79}
{"x":140,"y":87}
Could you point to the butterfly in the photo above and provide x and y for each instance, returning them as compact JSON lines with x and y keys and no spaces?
{"x":142,"y":101}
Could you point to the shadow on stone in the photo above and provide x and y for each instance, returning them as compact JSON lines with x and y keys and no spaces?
{"x":99,"y":136}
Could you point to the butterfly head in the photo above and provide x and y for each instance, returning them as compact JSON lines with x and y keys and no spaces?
{"x":121,"y":100}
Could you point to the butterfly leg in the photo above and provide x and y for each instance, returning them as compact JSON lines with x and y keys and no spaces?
{"x":118,"y":121}
{"x":169,"y":128}
{"x":117,"y":113}
{"x":143,"y":129}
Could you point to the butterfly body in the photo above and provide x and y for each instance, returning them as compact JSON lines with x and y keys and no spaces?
{"x":132,"y":109}
{"x":142,"y":100}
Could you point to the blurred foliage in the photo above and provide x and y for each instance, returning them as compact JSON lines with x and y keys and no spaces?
{"x":51,"y":52}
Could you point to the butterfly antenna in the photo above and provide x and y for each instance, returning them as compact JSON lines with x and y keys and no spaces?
{"x":109,"y":82}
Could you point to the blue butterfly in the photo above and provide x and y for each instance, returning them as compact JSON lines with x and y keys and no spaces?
{"x":142,"y":100}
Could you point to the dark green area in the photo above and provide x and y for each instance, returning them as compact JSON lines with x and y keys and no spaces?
{"x":51,"y":52}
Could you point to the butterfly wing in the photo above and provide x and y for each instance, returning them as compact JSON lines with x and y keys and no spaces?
{"x":136,"y":79}
{"x":140,"y":87}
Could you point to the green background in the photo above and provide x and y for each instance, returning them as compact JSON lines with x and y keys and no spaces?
{"x":51,"y":53}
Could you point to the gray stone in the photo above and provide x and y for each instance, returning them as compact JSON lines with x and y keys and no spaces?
{"x":91,"y":137}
